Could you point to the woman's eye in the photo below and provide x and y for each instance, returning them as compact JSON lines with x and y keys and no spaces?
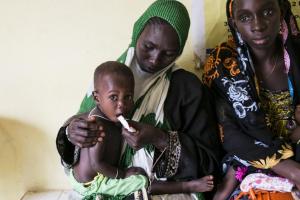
{"x":170,"y":54}
{"x":113,"y":97}
{"x":148,"y":46}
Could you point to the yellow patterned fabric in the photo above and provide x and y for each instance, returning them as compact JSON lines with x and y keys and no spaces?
{"x":278,"y":107}
{"x":285,"y":153}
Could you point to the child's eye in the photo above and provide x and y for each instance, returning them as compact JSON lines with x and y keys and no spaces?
{"x":113,"y":97}
{"x":268,"y":12}
{"x":244,"y":18}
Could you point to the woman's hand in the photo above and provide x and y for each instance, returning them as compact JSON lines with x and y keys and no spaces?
{"x":145,"y":134}
{"x":85,"y":132}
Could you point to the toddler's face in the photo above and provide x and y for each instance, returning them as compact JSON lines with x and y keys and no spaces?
{"x":114,"y":95}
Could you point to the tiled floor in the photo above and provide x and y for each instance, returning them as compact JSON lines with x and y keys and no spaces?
{"x":47,"y":195}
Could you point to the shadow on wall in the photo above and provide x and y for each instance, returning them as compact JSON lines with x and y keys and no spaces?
{"x":22,"y":153}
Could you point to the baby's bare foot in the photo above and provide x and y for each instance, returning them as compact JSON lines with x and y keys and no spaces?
{"x":203,"y":184}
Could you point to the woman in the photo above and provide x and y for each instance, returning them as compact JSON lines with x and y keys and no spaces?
{"x":176,"y":135}
{"x":255,"y":79}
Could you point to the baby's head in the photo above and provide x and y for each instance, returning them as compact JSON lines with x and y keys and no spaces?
{"x":113,"y":89}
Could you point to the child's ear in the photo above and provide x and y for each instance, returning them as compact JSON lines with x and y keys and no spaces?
{"x":95,"y":96}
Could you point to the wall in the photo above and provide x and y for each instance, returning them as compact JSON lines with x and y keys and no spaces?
{"x":48,"y":51}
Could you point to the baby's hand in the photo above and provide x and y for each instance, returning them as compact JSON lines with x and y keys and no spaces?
{"x":134,"y":171}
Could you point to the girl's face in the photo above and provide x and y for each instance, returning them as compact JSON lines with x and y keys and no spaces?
{"x":258,"y":22}
{"x":157,"y":47}
{"x":114,"y":95}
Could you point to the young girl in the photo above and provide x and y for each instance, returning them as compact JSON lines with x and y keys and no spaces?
{"x":255,"y":79}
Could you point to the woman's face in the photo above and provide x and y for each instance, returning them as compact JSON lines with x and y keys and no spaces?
{"x":258,"y":22}
{"x":157,"y":47}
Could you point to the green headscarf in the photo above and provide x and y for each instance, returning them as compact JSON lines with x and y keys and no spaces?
{"x":171,"y":11}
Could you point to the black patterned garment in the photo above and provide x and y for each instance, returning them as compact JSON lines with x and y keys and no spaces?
{"x":254,"y":122}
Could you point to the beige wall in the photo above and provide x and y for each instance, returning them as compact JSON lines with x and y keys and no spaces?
{"x":48,"y":50}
